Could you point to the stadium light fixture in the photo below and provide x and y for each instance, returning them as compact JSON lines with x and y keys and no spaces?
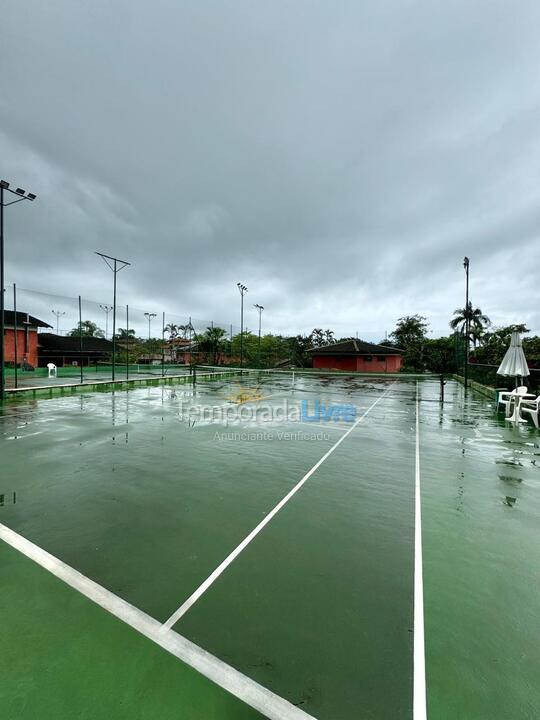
{"x":115,"y":265}
{"x":259,"y":308}
{"x":106,"y":309}
{"x":243,"y":290}
{"x":20,"y":196}
{"x":467,"y":327}
{"x":58,"y":314}
{"x":149,"y":316}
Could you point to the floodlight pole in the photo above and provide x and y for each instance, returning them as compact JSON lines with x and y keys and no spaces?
{"x":112,"y":263}
{"x":57,"y":314}
{"x":21,"y":195}
{"x":106,"y":309}
{"x":149,"y":316}
{"x":259,"y":309}
{"x":243,"y":290}
{"x":466,"y":373}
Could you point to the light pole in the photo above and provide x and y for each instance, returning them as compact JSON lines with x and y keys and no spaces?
{"x":149,"y":317}
{"x":58,"y":314}
{"x":466,"y":373}
{"x":243,"y":290}
{"x":106,"y":309}
{"x":259,"y":310}
{"x":20,"y":195}
{"x":113,"y":263}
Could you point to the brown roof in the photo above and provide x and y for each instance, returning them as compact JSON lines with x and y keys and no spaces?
{"x":23,"y":319}
{"x":355,"y":347}
{"x":65,"y":344}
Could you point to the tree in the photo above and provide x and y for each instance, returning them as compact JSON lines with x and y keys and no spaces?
{"x":495,"y":344}
{"x":440,"y":355}
{"x":410,"y":336}
{"x":211,"y":342}
{"x":319,"y":337}
{"x":173,"y":330}
{"x":478,"y":322}
{"x":410,"y":329}
{"x":87,"y":328}
{"x":124,"y":334}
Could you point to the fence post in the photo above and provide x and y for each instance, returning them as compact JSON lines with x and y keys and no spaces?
{"x":15,"y":329}
{"x":163,"y":347}
{"x":81,"y":339}
{"x":127,"y":342}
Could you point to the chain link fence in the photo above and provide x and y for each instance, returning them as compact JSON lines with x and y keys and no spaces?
{"x":54,"y":339}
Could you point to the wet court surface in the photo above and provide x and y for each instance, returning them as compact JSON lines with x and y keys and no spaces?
{"x":146,"y":493}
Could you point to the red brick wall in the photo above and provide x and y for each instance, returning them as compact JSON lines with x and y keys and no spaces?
{"x":9,"y":346}
{"x":392,"y":363}
{"x":334,"y":362}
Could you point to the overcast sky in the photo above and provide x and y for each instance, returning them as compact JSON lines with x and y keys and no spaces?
{"x":338,"y":158}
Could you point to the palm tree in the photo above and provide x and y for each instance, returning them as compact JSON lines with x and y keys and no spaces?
{"x":124,"y":334}
{"x":173,"y":330}
{"x":87,"y":328}
{"x":211,"y":341}
{"x":478,"y":322}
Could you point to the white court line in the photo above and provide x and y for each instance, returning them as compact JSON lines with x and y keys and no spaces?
{"x":182,"y":610}
{"x":242,"y":687}
{"x":419,"y":657}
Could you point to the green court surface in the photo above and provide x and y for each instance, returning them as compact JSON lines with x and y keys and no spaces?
{"x":40,"y":378}
{"x":217,"y":551}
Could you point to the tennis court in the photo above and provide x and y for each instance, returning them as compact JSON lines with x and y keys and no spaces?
{"x":255,"y":547}
{"x":89,"y":374}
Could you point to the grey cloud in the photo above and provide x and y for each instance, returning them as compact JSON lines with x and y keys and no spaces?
{"x":340,"y":159}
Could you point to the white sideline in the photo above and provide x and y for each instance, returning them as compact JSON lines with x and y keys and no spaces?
{"x":242,"y":687}
{"x":419,"y":682}
{"x":182,"y":610}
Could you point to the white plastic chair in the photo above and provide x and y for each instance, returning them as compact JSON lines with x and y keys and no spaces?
{"x":51,"y":367}
{"x":506,"y":397}
{"x":532,"y":408}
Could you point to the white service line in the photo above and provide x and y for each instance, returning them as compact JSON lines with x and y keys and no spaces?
{"x":419,"y":659}
{"x":231,"y":680}
{"x":182,"y":610}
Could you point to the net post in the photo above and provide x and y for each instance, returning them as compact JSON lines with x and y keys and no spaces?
{"x":190,"y":356}
{"x":441,"y":378}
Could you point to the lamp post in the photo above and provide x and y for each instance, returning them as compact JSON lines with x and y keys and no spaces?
{"x":20,"y":195}
{"x":58,"y":314}
{"x":467,"y":320}
{"x":115,"y":265}
{"x":149,"y":317}
{"x":243,"y":290}
{"x":106,"y":309}
{"x":259,"y":310}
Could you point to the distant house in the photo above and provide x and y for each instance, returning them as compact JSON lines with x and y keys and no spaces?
{"x":358,"y":356}
{"x":27,"y":337}
{"x":65,"y":350}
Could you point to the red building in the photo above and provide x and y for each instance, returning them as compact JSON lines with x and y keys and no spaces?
{"x":27,"y":338}
{"x":358,"y":356}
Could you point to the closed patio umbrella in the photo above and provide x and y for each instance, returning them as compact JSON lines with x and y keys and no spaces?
{"x":514,"y":363}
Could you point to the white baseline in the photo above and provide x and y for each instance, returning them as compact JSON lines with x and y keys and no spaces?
{"x":242,"y":687}
{"x":419,"y":683}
